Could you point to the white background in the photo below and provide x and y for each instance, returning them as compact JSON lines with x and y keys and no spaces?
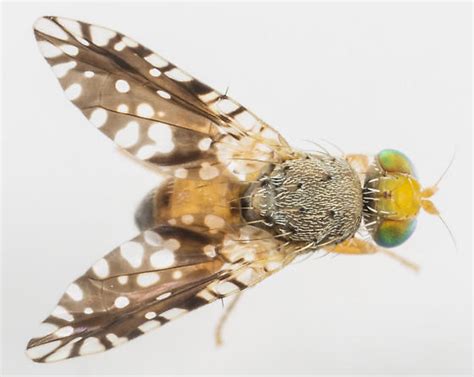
{"x":364,"y":76}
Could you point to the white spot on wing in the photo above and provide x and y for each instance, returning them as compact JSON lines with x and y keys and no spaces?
{"x":115,"y":340}
{"x":48,"y":50}
{"x":89,"y":74}
{"x":145,"y":110}
{"x":91,"y":345}
{"x":73,"y":92}
{"x":273,"y":266}
{"x":173,"y":313}
{"x":163,"y":94}
{"x":208,"y":97}
{"x":206,"y":295}
{"x":249,"y":256}
{"x":64,"y":331}
{"x":70,"y":25}
{"x":61,"y":354}
{"x":62,"y":69}
{"x":129,"y":42}
{"x":128,"y":136}
{"x":225,"y":288}
{"x":178,"y":75}
{"x":132,"y":252}
{"x":83,"y":41}
{"x":119,"y":46}
{"x":146,"y":152}
{"x":152,"y":238}
{"x":122,"y":108}
{"x":149,"y":325}
{"x":246,"y":277}
{"x":42,"y":350}
{"x":101,"y":268}
{"x":162,"y":259}
{"x":98,"y":117}
{"x":177,"y":275}
{"x":155,"y":72}
{"x":75,"y":292}
{"x":205,"y":144}
{"x":60,"y":312}
{"x":161,"y":134}
{"x":156,"y":60}
{"x":246,"y":120}
{"x":122,"y":86}
{"x":121,"y":302}
{"x":210,"y":251}
{"x":227,"y":106}
{"x":48,"y":27}
{"x":172,"y":244}
{"x":150,"y":315}
{"x":122,"y":279}
{"x":70,"y":50}
{"x":147,"y":278}
{"x":101,"y":36}
{"x":163,"y":296}
{"x":268,"y":133}
{"x":45,"y":328}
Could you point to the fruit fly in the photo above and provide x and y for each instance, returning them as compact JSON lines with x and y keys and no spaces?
{"x":238,"y":203}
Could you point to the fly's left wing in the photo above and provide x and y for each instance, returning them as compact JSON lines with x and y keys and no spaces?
{"x":150,"y":280}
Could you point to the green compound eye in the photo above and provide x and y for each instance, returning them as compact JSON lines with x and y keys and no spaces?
{"x":394,"y":161}
{"x":391,"y":233}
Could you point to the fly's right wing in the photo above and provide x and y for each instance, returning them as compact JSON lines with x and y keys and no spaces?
{"x":151,"y":108}
{"x":150,"y":280}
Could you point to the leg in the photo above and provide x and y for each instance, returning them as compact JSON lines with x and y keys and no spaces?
{"x":353,"y":246}
{"x":224,"y":317}
{"x":358,"y":246}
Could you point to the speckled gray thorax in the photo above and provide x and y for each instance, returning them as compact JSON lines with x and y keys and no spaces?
{"x":317,"y":199}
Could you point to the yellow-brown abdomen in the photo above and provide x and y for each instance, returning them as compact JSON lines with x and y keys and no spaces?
{"x":191,"y":201}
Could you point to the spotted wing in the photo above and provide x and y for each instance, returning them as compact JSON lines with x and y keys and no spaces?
{"x":148,"y":281}
{"x":150,"y":107}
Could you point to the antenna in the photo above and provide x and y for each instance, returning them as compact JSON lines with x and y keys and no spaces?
{"x":446,"y":170}
{"x":449,"y":231}
{"x":430,"y":191}
{"x":428,"y":205}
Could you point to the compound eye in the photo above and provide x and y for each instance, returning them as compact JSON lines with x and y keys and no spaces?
{"x":392,"y":233}
{"x":394,"y":161}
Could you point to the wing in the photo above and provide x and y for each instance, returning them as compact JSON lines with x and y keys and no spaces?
{"x":150,"y":107}
{"x":150,"y":280}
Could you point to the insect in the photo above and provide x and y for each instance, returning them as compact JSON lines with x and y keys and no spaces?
{"x":238,"y":204}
